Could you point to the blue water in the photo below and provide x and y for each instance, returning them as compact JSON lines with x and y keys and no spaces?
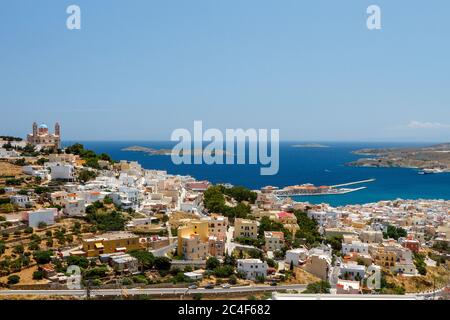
{"x":320,"y":166}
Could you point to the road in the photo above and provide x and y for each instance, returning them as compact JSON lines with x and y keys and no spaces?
{"x":162,"y":252}
{"x":154,"y":291}
{"x":229,"y":246}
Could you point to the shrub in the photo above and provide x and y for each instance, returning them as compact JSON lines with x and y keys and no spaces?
{"x":82,"y":262}
{"x":232,"y":279}
{"x":28,"y":230}
{"x":38,"y":275}
{"x":42,"y":225}
{"x":14,"y":279}
{"x":33,"y":246}
{"x":140,"y":279}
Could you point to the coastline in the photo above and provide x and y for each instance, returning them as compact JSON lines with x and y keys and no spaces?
{"x":320,"y":166}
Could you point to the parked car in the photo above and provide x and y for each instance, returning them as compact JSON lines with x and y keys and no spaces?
{"x":226,"y":286}
{"x":273,"y":284}
{"x":193,"y":286}
{"x":209,"y":286}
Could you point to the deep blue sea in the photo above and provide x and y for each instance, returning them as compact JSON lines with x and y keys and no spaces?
{"x":320,"y":166}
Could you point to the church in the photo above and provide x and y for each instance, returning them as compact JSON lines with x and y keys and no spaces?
{"x":42,"y":137}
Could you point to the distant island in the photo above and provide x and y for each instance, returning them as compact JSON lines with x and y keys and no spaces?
{"x":435,"y":157}
{"x":168,"y":152}
{"x":310,"y":145}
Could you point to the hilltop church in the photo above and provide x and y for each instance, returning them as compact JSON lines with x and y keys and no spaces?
{"x":42,"y":137}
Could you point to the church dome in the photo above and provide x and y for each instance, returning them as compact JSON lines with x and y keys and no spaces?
{"x":43,"y":126}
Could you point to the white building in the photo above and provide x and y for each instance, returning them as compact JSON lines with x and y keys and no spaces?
{"x":355,"y":246}
{"x":46,"y":216}
{"x":295,"y":256}
{"x":76,"y":207}
{"x":352,"y":271}
{"x":347,"y":287}
{"x":60,"y":171}
{"x":35,"y":171}
{"x":405,"y":268}
{"x":8,"y":153}
{"x":20,"y":200}
{"x":252,"y":268}
{"x":322,"y":217}
{"x":127,"y":197}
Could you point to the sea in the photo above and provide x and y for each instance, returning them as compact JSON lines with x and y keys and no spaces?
{"x":299,"y":165}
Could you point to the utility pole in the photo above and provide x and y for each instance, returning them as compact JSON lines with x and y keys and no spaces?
{"x":88,"y":290}
{"x":434,"y":288}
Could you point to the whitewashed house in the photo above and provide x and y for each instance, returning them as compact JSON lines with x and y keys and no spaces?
{"x":21,"y":200}
{"x":355,"y":246}
{"x":61,"y":171}
{"x":295,"y":256}
{"x":76,"y":207}
{"x":252,"y":268}
{"x":36,"y":217}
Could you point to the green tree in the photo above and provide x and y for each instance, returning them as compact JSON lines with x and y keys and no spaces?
{"x":223,"y":271}
{"x":212,"y":263}
{"x":145,"y":258}
{"x":162,"y":263}
{"x":2,"y":247}
{"x":43,"y":257}
{"x":318,"y":287}
{"x":19,"y":249}
{"x":308,"y":228}
{"x":394,"y":232}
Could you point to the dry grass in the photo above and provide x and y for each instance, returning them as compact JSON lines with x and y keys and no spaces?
{"x":439,"y":275}
{"x":302,"y":277}
{"x":26,"y":276}
{"x":9,"y":170}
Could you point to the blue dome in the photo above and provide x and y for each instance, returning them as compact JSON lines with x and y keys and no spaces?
{"x":43,"y":126}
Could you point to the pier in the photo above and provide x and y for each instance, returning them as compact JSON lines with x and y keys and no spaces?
{"x":352,"y":183}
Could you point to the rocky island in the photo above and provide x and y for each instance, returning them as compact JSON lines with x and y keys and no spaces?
{"x":168,"y":152}
{"x":310,"y":145}
{"x":435,"y":157}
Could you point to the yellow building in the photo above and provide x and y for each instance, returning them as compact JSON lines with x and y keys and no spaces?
{"x":110,"y":243}
{"x":193,"y":248}
{"x":384,"y":258}
{"x":244,"y":228}
{"x":192,"y":228}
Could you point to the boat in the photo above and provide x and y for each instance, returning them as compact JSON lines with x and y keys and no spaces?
{"x":430,"y":171}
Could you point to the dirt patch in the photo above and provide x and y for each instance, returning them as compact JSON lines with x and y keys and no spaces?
{"x":9,"y":170}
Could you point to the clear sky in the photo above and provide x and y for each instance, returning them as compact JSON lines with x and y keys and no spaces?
{"x":139,"y":69}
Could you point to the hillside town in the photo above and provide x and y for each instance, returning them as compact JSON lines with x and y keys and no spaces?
{"x":127,"y":227}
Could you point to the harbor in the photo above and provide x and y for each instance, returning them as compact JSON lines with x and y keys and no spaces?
{"x":312,"y":190}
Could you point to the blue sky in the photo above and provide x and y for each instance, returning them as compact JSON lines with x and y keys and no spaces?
{"x":137,"y":70}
